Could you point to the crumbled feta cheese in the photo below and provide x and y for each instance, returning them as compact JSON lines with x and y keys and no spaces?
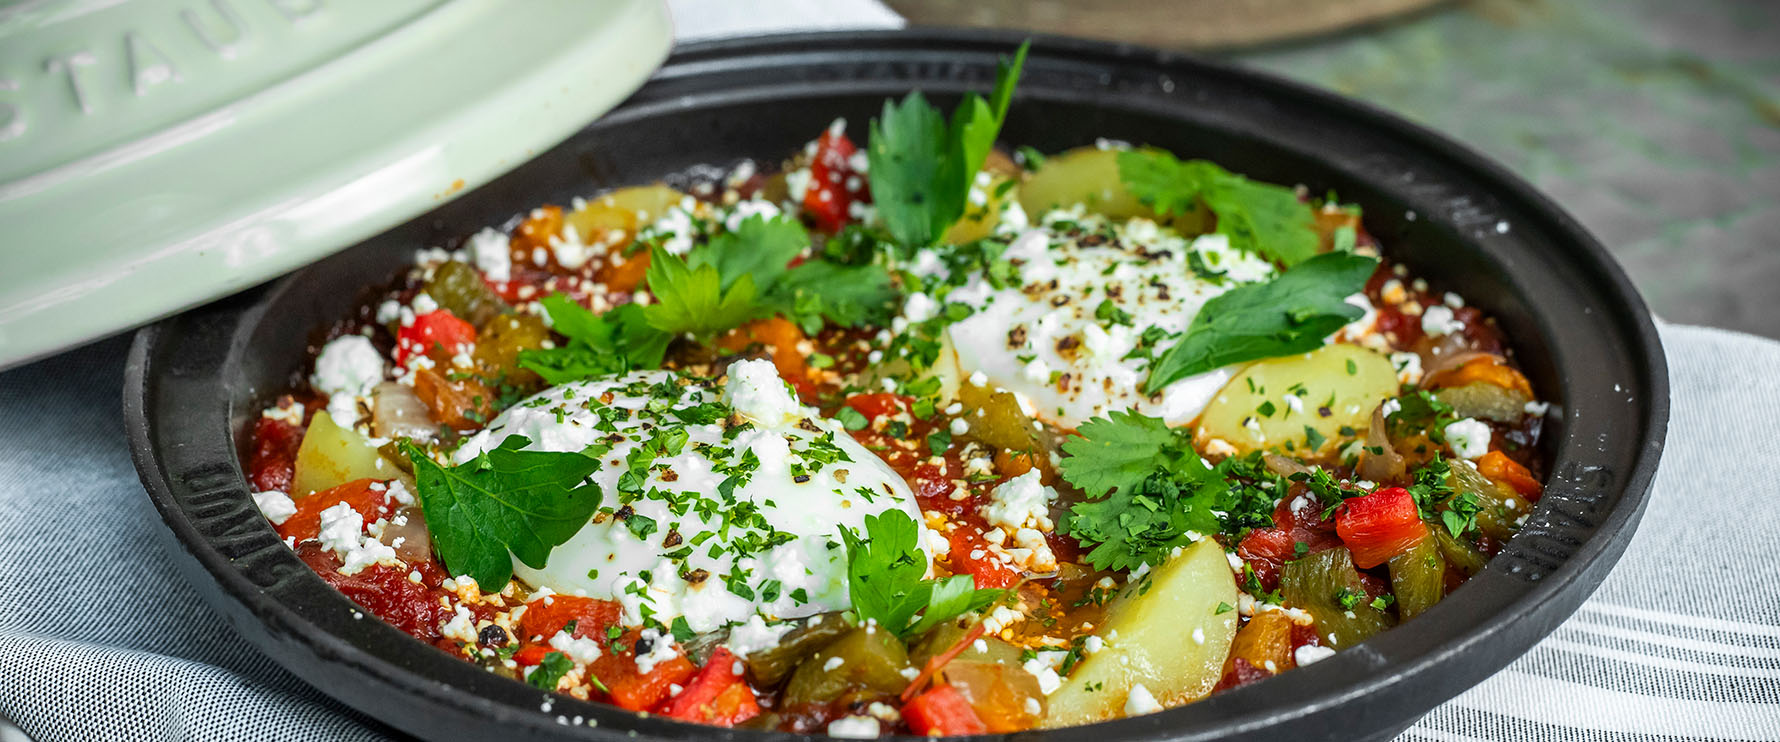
{"x":1468,"y":438}
{"x":1408,"y":365}
{"x":757,"y":393}
{"x":1439,"y":320}
{"x":1048,"y":679}
{"x":661,"y":649}
{"x":1537,"y":409}
{"x":461,"y":627}
{"x":348,"y":365}
{"x":1139,"y":701}
{"x":755,"y":635}
{"x":1020,"y":501}
{"x":580,"y":649}
{"x":1311,"y":653}
{"x":854,"y":727}
{"x":919,"y":307}
{"x":275,"y":505}
{"x":489,"y":248}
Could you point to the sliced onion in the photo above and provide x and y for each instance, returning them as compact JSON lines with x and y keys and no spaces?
{"x":1386,"y":466}
{"x":1283,"y":466}
{"x":416,"y":541}
{"x":1442,"y":365}
{"x":396,"y":412}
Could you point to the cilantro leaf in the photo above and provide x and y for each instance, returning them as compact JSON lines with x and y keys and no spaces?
{"x":599,"y":344}
{"x":884,"y":570}
{"x":921,"y":169}
{"x":1260,"y":218}
{"x":550,"y":671}
{"x":1151,"y":491}
{"x":1121,"y":448}
{"x":697,"y":299}
{"x":1290,"y":314}
{"x":505,"y":503}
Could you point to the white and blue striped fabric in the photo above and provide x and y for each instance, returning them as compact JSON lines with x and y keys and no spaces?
{"x":101,"y":639}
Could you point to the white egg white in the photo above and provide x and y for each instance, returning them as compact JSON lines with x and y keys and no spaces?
{"x":706,"y":559}
{"x":1045,"y":341}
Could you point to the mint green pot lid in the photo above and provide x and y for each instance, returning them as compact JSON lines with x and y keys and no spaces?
{"x":156,"y":154}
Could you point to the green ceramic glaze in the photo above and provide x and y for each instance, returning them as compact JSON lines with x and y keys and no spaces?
{"x":157,"y":154}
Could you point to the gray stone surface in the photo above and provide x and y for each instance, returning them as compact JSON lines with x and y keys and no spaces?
{"x":1655,"y":122}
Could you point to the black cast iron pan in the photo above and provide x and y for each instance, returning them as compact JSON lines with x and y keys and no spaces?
{"x":1579,"y":329}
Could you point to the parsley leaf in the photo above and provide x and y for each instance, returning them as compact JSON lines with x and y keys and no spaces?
{"x":503,"y":504}
{"x":922,"y":170}
{"x":1290,"y":314}
{"x":741,"y":275}
{"x":599,"y":344}
{"x":884,"y":570}
{"x":696,"y":299}
{"x":1260,"y":218}
{"x":758,"y":247}
{"x":550,"y":671}
{"x":845,"y":295}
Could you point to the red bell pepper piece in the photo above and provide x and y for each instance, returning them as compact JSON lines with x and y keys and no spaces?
{"x":718,"y":696}
{"x":943,"y":712}
{"x":438,"y":328}
{"x":546,"y":616}
{"x":1379,"y":526}
{"x":634,"y":690}
{"x":872,"y":406}
{"x":273,"y":462}
{"x":834,"y":185}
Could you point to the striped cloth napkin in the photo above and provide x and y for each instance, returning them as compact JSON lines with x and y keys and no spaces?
{"x":101,"y":639}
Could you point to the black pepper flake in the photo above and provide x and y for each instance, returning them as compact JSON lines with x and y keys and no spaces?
{"x":807,"y":425}
{"x":672,"y":539}
{"x":800,"y":478}
{"x":696,"y":576}
{"x":1059,"y":300}
{"x":492,"y":636}
{"x":1016,"y":338}
{"x":1324,"y":411}
{"x":624,"y":513}
{"x":1067,"y":343}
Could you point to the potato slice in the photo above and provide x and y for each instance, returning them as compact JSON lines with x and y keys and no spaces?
{"x":980,"y":220}
{"x":624,"y":210}
{"x":1336,"y":387}
{"x":1165,"y":632}
{"x":1084,"y":175}
{"x":331,"y":455}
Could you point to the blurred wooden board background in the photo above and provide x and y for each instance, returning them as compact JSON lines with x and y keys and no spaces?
{"x":1195,"y":24}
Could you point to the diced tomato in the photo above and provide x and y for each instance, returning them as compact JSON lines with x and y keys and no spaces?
{"x":970,"y":555}
{"x":1497,"y":466}
{"x":1379,"y":526}
{"x":273,"y":463}
{"x":942,"y":712}
{"x":718,"y":696}
{"x":436,"y":329}
{"x":1296,"y":520}
{"x":873,"y":406}
{"x":386,"y":592}
{"x":305,"y":524}
{"x":1241,"y":672}
{"x":546,"y":616}
{"x":828,"y":198}
{"x":635,"y":690}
